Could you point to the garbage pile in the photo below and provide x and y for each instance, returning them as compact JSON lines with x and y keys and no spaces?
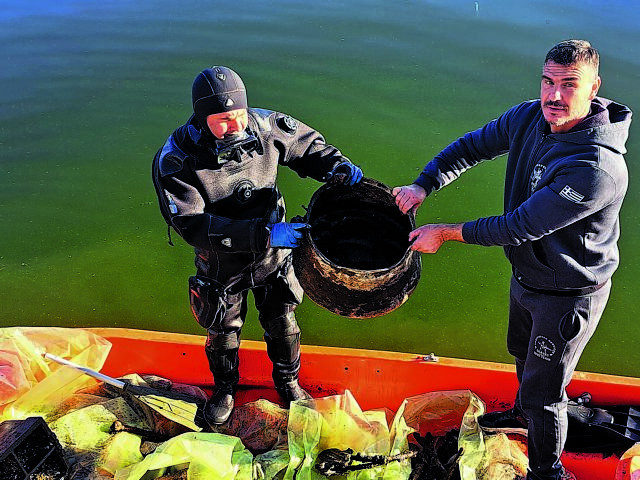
{"x":65,"y":424}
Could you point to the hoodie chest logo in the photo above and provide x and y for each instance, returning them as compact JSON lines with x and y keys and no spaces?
{"x":538,"y":171}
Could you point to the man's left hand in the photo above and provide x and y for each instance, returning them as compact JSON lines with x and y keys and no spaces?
{"x":346,"y":173}
{"x":429,"y":238}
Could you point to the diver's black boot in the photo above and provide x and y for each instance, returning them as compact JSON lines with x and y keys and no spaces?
{"x":224,"y":366}
{"x":219,"y":406}
{"x":292,"y":391}
{"x":284,"y":352}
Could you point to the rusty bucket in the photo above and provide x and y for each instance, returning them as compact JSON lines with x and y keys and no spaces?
{"x":355,"y":260}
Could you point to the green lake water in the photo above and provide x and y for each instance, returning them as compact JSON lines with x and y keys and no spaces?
{"x":90,"y":89}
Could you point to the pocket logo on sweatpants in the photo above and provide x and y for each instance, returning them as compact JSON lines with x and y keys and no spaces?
{"x":544,"y":348}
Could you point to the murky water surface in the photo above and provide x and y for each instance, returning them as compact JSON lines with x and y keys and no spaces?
{"x":89,"y":90}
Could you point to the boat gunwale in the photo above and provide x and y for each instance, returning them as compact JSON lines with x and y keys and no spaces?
{"x":197,"y":340}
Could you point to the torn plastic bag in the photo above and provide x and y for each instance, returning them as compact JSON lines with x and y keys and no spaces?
{"x":161,"y":420}
{"x":439,"y":412}
{"x":30,"y":385}
{"x":338,"y":422}
{"x":206,"y":455}
{"x":87,"y":429}
{"x":122,"y":450}
{"x":13,"y":379}
{"x":504,"y":459}
{"x":271,"y":465}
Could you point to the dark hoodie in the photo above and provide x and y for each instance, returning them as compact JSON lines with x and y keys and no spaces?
{"x":563,"y":192}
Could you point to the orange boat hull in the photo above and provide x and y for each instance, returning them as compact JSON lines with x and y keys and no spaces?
{"x":377,"y":379}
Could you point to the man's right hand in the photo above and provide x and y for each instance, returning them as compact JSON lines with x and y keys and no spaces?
{"x":409,"y":197}
{"x":429,"y":238}
{"x":286,"y":235}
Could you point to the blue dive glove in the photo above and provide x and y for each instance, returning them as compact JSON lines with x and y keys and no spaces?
{"x":346,"y":173}
{"x":286,"y":235}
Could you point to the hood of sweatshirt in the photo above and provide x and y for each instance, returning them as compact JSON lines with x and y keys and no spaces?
{"x":606,"y":126}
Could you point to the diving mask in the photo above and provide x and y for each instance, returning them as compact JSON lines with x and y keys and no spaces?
{"x":232,"y":147}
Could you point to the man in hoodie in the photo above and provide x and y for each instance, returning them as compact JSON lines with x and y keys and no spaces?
{"x":565,"y":182}
{"x":215,"y":178}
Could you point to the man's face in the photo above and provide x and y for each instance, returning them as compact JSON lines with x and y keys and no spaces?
{"x":566,"y":93}
{"x":227,"y":123}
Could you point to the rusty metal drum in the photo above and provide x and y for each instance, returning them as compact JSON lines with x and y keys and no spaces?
{"x":355,"y":260}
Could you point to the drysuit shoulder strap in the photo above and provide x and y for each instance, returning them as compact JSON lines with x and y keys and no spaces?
{"x":168,"y":160}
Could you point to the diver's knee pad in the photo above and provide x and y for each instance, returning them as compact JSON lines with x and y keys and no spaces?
{"x":207,"y":305}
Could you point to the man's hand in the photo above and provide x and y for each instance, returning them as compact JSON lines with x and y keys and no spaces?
{"x":429,"y":238}
{"x":346,"y":173}
{"x":286,"y":235}
{"x":409,"y":197}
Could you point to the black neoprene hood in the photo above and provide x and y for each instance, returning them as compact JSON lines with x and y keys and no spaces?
{"x":216,"y":90}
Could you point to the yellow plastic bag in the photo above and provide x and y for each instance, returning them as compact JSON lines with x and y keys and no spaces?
{"x":206,"y":455}
{"x":269,"y":464}
{"x":471,"y":439}
{"x":88,"y":429}
{"x":35,"y":386}
{"x":504,"y":459}
{"x":122,"y":450}
{"x":338,"y":422}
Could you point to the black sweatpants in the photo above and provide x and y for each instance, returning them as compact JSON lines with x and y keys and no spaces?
{"x":547,"y":335}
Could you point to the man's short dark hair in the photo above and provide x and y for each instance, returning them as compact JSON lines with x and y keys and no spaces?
{"x":574,"y":52}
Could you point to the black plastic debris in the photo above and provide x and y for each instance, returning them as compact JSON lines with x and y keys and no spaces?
{"x":437,"y":457}
{"x":29,"y":449}
{"x":334,"y":461}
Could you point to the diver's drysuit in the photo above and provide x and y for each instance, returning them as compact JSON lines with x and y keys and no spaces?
{"x":221,"y":198}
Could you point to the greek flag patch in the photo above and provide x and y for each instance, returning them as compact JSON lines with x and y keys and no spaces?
{"x":571,"y":195}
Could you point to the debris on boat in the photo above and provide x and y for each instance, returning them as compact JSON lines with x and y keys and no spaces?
{"x":503,"y":458}
{"x":182,"y":474}
{"x":437,"y":457}
{"x":177,"y":407}
{"x":30,"y":450}
{"x":148,"y":435}
{"x":261,"y":425}
{"x":104,"y":434}
{"x":334,"y":461}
